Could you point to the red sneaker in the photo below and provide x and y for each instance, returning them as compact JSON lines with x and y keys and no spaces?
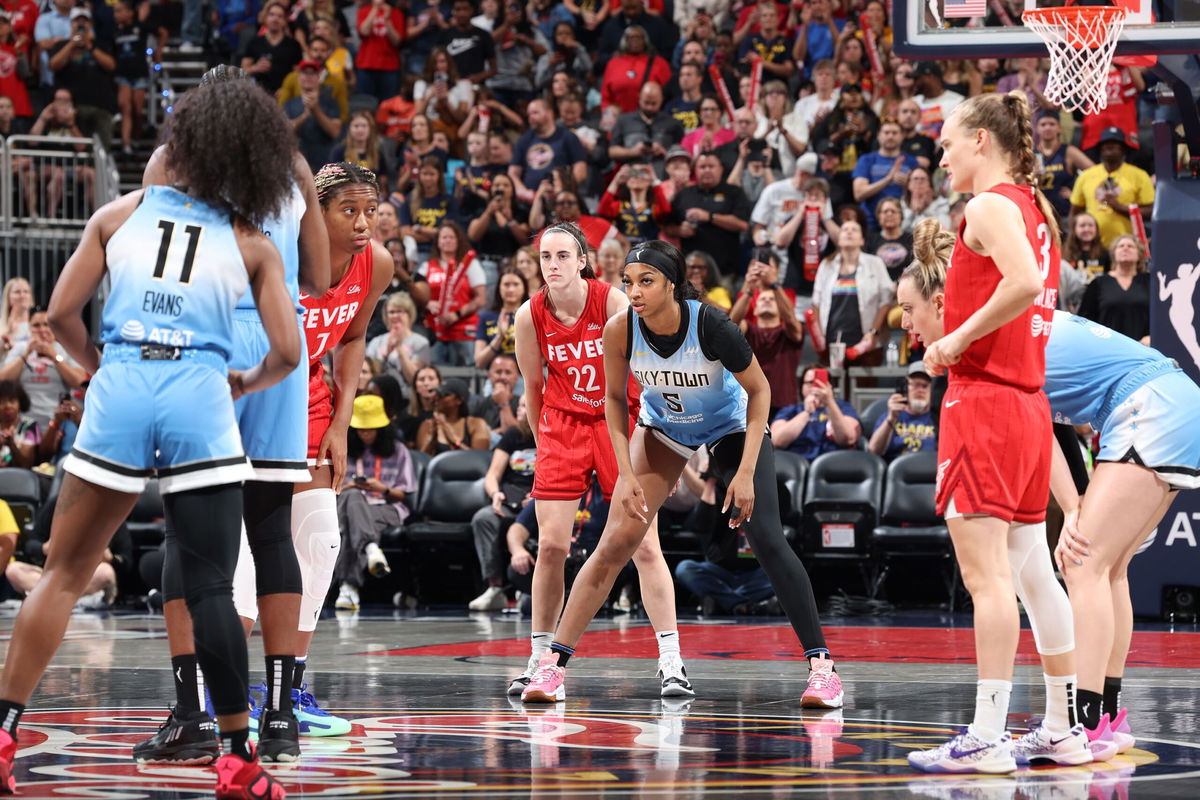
{"x":238,"y":779}
{"x":8,"y":754}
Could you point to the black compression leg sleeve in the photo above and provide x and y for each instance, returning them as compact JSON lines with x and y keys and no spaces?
{"x":172,"y":575}
{"x":267,"y":509}
{"x":765,"y":533}
{"x":207,"y":527}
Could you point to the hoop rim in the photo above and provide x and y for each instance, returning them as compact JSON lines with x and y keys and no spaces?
{"x":1067,"y":15}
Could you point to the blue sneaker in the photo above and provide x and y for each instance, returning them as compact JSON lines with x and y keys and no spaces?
{"x":255,"y":704}
{"x":314,"y":720}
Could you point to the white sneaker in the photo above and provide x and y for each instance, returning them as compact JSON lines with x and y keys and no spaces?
{"x":967,"y":753}
{"x":1040,"y":745}
{"x":674,"y":677}
{"x":91,"y":602}
{"x":347,"y":598}
{"x":377,"y":563}
{"x":519,"y":683}
{"x":492,"y":599}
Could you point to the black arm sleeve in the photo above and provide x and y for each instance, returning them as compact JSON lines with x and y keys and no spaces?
{"x":1069,"y":441}
{"x":721,"y":340}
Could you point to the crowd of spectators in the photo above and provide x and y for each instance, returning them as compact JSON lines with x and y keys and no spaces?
{"x":793,"y":196}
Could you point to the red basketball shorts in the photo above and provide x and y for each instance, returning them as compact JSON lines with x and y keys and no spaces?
{"x":320,"y":412}
{"x":994,"y":452}
{"x":570,"y":448}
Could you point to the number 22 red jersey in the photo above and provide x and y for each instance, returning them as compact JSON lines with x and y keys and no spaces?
{"x":574,"y":354}
{"x":1015,"y":353}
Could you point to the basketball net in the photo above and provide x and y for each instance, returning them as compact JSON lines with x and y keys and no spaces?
{"x":1082,"y":41}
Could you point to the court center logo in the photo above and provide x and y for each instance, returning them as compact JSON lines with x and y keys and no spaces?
{"x":571,"y":752}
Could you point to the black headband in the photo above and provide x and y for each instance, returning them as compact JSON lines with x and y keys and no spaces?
{"x":654,"y":258}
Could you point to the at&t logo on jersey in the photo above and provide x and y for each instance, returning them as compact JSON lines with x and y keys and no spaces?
{"x":1040,"y":324}
{"x":134,"y":331}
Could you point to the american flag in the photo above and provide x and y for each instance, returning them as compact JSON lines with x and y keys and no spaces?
{"x":964,"y":8}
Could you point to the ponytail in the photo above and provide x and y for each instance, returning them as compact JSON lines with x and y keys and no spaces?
{"x":1008,"y":119}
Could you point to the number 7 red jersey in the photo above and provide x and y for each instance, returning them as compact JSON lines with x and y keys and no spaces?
{"x":1015,"y":353}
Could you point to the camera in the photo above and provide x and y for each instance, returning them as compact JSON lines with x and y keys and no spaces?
{"x":359,"y":478}
{"x":762,"y":254}
{"x":902,"y":388}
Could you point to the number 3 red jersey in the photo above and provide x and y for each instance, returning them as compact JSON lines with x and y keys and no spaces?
{"x":574,"y":354}
{"x":1015,"y":353}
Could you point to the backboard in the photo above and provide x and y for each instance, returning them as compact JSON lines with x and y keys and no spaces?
{"x":993,"y":29}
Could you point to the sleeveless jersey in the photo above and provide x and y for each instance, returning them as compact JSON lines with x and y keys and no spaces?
{"x":1013,"y":354}
{"x":574,"y":354}
{"x":687,"y":396}
{"x":327,"y":317}
{"x":284,"y":233}
{"x":176,"y":272}
{"x":1088,"y":366}
{"x":450,"y":288}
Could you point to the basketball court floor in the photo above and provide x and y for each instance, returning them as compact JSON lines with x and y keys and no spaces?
{"x":426,"y":695}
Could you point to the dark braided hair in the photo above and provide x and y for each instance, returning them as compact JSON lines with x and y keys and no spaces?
{"x":576,"y":233}
{"x":230,"y":144}
{"x":222,"y":72}
{"x":332,"y":178}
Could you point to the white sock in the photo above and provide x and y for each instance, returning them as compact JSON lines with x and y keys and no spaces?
{"x":991,"y":709}
{"x":1060,"y":702}
{"x":539,"y":643}
{"x":668,"y":643}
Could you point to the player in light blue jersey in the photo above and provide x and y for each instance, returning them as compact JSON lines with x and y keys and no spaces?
{"x":274,"y":429}
{"x":701,"y":386}
{"x":1147,"y":411}
{"x":161,"y":401}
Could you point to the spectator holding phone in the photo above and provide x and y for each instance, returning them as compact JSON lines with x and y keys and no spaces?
{"x":380,"y":477}
{"x":908,"y":426}
{"x":820,"y":423}
{"x":508,"y":482}
{"x":767,"y":316}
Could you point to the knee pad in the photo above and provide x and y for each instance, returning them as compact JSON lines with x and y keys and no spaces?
{"x":268,"y":514}
{"x":245,"y":597}
{"x":318,"y":542}
{"x":1045,"y":601}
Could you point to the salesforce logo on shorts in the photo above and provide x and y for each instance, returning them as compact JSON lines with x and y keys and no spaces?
{"x":133,"y":331}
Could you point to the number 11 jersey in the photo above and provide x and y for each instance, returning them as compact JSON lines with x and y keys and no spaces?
{"x":176,"y":273}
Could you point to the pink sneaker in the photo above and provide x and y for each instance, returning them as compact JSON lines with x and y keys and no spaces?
{"x":824,"y":687}
{"x":1100,"y":741}
{"x":547,"y":683}
{"x":1121,"y":732}
{"x":8,"y":754}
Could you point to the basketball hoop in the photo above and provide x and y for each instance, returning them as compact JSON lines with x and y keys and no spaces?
{"x":1082,"y":41}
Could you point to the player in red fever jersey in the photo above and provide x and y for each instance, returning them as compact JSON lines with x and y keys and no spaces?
{"x":562,"y":328}
{"x":334,"y":323}
{"x":994,"y":442}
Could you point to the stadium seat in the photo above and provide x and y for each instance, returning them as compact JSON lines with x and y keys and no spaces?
{"x":439,"y":532}
{"x":363,"y":102}
{"x":870,"y":416}
{"x":791,"y":470}
{"x":22,"y":490}
{"x":842,"y":497}
{"x":909,"y":525}
{"x":147,"y":522}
